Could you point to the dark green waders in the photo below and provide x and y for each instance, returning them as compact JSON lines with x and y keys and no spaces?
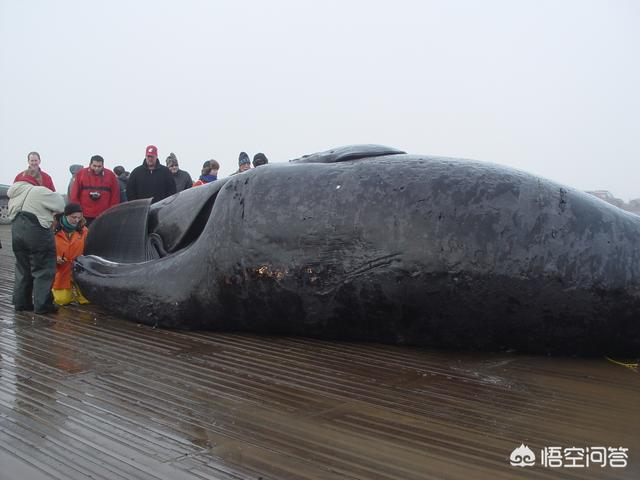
{"x":35,"y":252}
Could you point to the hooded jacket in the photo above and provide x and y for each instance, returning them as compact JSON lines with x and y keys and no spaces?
{"x":86,"y":182}
{"x":69,"y":247}
{"x":46,"y":180}
{"x":40,"y":201}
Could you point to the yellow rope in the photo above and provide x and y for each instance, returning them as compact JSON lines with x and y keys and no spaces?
{"x":631,"y":366}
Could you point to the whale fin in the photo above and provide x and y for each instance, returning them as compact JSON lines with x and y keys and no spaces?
{"x":350,"y":152}
{"x":120,"y":233}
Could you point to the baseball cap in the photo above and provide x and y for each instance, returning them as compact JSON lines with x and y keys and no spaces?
{"x":152,"y":150}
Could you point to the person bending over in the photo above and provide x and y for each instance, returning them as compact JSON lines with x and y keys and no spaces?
{"x":70,"y":234}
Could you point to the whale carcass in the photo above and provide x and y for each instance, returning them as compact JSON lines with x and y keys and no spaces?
{"x":369,"y":243}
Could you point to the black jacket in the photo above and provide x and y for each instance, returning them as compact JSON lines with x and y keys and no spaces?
{"x":122,"y":181}
{"x":183,"y":180}
{"x":144,"y":183}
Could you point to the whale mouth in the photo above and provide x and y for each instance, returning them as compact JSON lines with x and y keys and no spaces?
{"x":137,"y":231}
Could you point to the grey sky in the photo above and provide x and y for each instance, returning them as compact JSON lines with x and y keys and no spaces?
{"x":550,"y":87}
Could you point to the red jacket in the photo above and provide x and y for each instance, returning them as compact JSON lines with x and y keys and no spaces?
{"x":46,"y":180}
{"x":86,"y":183}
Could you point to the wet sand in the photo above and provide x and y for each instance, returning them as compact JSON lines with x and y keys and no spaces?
{"x":84,"y":394}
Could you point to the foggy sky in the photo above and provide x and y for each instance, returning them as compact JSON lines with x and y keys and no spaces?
{"x":549,"y":87}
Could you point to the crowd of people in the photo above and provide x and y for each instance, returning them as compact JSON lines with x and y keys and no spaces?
{"x":48,"y":233}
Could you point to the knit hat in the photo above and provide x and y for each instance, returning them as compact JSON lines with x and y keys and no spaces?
{"x":171,"y":160}
{"x":243,"y":158}
{"x":75,"y":168}
{"x":72,"y":208}
{"x":260,"y":159}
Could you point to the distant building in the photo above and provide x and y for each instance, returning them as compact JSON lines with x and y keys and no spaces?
{"x":608,"y":197}
{"x":633,"y":206}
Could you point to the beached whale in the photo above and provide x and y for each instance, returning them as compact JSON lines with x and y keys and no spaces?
{"x":369,"y":243}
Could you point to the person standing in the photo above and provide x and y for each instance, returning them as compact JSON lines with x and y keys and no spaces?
{"x":70,"y":234}
{"x":34,"y":174}
{"x":150,"y":180}
{"x":31,"y":210}
{"x":209,"y":172}
{"x":260,"y":159}
{"x":244,"y":163}
{"x":74,"y":169}
{"x":182,"y":178}
{"x":95,"y":189}
{"x":123,"y":177}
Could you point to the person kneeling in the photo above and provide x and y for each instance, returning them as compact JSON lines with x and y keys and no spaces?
{"x":70,"y":233}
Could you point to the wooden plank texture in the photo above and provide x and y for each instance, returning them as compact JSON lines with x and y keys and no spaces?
{"x":84,"y":394}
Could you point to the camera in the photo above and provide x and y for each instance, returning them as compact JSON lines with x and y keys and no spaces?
{"x":94,"y":195}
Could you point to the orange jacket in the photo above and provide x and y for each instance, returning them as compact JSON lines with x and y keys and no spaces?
{"x":71,"y":247}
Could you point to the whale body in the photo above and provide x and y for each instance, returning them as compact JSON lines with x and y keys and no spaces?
{"x":369,"y":243}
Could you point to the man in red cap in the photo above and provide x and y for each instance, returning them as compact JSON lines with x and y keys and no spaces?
{"x":151,"y":179}
{"x":34,"y":174}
